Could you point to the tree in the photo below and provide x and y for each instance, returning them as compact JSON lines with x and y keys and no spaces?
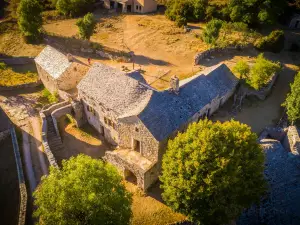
{"x":213,"y":171}
{"x":86,"y":26}
{"x":256,"y":11}
{"x":292,"y":102}
{"x":30,"y":19}
{"x":73,"y":7}
{"x":84,"y":191}
{"x":262,"y":71}
{"x":274,"y":42}
{"x":212,"y":31}
{"x":242,"y":69}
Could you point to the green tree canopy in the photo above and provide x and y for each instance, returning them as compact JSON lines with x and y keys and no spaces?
{"x":212,"y":30}
{"x":213,"y":171}
{"x":86,"y":26}
{"x":274,"y":42}
{"x":242,"y":69}
{"x":292,"y":102}
{"x":84,"y":191}
{"x":256,"y":11}
{"x":262,"y":71}
{"x":30,"y":19}
{"x":73,"y":7}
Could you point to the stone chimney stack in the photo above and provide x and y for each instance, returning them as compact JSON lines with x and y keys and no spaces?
{"x":70,"y":57}
{"x":174,"y":83}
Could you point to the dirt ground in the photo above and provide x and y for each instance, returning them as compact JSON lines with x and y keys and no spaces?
{"x":160,"y":48}
{"x":9,"y":186}
{"x":84,"y":140}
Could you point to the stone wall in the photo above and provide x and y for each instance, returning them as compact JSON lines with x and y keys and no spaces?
{"x":210,"y":52}
{"x":57,"y":113}
{"x":292,"y":140}
{"x":21,"y":86}
{"x":45,"y":143}
{"x":17,"y":60}
{"x":22,"y":185}
{"x":47,"y":110}
{"x":133,"y":129}
{"x":48,"y":81}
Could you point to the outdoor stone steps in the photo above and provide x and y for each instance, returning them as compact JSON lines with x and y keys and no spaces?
{"x":54,"y":141}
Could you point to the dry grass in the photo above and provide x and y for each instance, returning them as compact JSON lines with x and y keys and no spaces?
{"x":8,"y":77}
{"x":148,"y":211}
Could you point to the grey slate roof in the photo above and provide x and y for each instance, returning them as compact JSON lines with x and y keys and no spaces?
{"x":166,"y":112}
{"x":114,"y":89}
{"x":282,"y":204}
{"x":53,"y":62}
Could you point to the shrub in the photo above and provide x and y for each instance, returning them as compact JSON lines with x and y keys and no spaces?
{"x":242,"y":69}
{"x":213,"y":171}
{"x":212,"y":31}
{"x":30,"y":19}
{"x":261,"y":72}
{"x":273,"y":42}
{"x":51,"y":98}
{"x":83,"y":191}
{"x":86,"y":26}
{"x":2,"y":66}
{"x":292,"y":102}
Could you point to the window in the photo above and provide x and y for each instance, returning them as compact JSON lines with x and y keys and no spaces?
{"x":136,"y":146}
{"x":105,"y":120}
{"x":136,"y":129}
{"x":140,"y":8}
{"x":137,"y":7}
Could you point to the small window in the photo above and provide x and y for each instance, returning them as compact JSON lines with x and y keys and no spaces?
{"x":140,"y":8}
{"x":109,"y":122}
{"x":136,"y":129}
{"x":105,"y":120}
{"x":137,"y":7}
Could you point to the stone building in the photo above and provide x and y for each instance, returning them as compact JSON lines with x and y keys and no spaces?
{"x":140,"y":120}
{"x":136,"y":6}
{"x":59,"y":71}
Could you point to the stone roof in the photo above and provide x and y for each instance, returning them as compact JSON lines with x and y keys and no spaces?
{"x":281,"y":205}
{"x":167,"y":112}
{"x":53,"y":62}
{"x":114,"y":89}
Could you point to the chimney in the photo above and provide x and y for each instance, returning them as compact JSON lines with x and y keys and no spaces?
{"x":70,"y":57}
{"x":174,"y":83}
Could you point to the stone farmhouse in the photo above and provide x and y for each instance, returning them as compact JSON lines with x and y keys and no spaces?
{"x":136,"y":6}
{"x":59,"y":71}
{"x":140,"y":120}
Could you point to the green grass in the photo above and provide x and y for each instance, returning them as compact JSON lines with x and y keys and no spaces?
{"x":9,"y":77}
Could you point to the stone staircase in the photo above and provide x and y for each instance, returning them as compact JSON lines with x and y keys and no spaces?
{"x":54,"y":140}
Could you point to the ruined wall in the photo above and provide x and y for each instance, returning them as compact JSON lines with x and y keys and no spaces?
{"x":132,"y":128}
{"x":48,"y":81}
{"x":71,"y":77}
{"x":292,"y":140}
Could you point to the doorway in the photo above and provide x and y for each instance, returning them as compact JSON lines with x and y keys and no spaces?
{"x":128,"y":8}
{"x":112,"y":4}
{"x":130,"y":177}
{"x":136,"y":146}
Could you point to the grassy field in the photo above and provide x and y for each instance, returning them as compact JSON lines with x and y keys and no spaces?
{"x":10,"y":77}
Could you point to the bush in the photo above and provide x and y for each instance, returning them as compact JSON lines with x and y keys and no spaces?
{"x":51,"y":98}
{"x":2,"y":66}
{"x":86,"y":26}
{"x":74,"y":7}
{"x":273,"y":42}
{"x":83,"y":191}
{"x":212,"y":31}
{"x":213,"y":171}
{"x":292,"y":102}
{"x":242,"y":69}
{"x":261,"y":72}
{"x":30,"y":19}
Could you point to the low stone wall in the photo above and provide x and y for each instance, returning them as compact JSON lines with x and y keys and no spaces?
{"x":4,"y":135}
{"x":17,"y":60}
{"x":264,"y":92}
{"x":45,"y":143}
{"x":47,"y":110}
{"x":21,"y":86}
{"x":22,"y":185}
{"x":208,"y":53}
{"x":56,"y":114}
